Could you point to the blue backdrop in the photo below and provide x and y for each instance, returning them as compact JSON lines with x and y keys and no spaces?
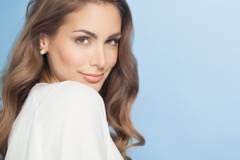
{"x":188,"y":53}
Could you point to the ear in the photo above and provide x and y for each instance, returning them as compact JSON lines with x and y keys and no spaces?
{"x":44,"y":41}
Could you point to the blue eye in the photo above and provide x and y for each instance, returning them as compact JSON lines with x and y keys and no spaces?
{"x":82,"y":40}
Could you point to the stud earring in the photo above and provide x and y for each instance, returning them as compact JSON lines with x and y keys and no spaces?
{"x":43,"y":51}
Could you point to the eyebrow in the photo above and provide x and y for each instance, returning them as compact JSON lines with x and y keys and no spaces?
{"x":95,"y":36}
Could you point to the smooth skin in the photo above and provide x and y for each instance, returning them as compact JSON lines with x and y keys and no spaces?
{"x":85,"y":48}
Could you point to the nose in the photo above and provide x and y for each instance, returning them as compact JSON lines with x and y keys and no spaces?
{"x":98,"y":58}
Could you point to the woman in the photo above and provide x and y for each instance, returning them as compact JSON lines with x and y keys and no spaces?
{"x":71,"y":75}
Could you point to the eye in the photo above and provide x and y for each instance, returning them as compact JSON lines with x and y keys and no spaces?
{"x":82,"y":40}
{"x":113,"y":42}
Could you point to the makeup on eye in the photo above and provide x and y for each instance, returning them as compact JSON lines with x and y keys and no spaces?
{"x":113,"y":37}
{"x":86,"y":40}
{"x":83,"y":40}
{"x":114,"y":41}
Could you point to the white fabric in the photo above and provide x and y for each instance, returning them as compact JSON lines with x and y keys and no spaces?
{"x":62,"y":121}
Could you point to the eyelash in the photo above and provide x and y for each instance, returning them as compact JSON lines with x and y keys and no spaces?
{"x":115,"y":40}
{"x":79,"y":39}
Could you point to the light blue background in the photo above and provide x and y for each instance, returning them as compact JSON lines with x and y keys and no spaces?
{"x":188,"y":52}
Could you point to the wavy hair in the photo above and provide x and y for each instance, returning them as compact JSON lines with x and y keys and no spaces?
{"x":27,"y":67}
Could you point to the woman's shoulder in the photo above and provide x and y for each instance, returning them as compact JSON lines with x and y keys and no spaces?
{"x":65,"y":86}
{"x":66,"y":93}
{"x":64,"y":89}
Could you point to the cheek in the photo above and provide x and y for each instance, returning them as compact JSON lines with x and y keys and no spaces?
{"x":112,"y":59}
{"x":72,"y":56}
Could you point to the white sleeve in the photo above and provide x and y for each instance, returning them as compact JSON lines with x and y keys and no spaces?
{"x":72,"y":124}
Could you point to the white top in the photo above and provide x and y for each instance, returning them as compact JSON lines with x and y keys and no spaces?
{"x":62,"y":121}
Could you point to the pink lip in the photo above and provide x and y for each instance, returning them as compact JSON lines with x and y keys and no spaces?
{"x":92,"y":78}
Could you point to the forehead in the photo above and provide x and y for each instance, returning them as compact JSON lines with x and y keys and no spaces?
{"x":100,"y":18}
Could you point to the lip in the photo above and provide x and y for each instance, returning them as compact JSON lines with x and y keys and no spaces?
{"x":92,"y":78}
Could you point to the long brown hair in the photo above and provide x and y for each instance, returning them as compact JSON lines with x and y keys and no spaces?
{"x":27,"y":67}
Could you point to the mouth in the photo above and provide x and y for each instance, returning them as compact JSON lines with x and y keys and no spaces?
{"x":92,"y":78}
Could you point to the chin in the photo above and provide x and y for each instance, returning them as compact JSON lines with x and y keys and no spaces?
{"x":96,"y":87}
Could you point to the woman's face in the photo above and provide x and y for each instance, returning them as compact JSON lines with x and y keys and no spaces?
{"x":85,"y":48}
